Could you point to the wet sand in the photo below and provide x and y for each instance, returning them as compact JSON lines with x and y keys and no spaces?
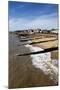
{"x":21,"y":71}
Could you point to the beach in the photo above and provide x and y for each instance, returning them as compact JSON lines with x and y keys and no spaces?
{"x":30,"y":71}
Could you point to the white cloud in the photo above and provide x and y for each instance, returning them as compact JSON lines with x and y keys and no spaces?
{"x":43,"y":22}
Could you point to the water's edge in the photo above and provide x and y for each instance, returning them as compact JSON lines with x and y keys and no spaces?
{"x":44,"y":62}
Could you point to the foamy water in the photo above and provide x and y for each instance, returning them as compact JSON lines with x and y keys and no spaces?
{"x":43,"y":61}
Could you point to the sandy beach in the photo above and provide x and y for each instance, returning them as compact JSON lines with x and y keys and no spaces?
{"x":22,"y":72}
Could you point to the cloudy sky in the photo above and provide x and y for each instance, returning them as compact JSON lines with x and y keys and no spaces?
{"x":24,"y":15}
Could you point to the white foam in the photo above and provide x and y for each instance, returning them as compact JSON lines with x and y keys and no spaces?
{"x":44,"y":62}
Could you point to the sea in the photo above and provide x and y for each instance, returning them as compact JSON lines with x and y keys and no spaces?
{"x":30,"y":70}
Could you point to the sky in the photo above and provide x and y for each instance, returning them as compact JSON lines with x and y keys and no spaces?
{"x":25,"y":15}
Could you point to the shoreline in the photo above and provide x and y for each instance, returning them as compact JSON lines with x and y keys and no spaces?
{"x":22,"y":73}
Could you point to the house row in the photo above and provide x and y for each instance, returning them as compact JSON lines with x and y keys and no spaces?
{"x":32,"y":31}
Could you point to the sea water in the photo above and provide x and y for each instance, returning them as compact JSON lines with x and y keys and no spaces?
{"x":43,"y":61}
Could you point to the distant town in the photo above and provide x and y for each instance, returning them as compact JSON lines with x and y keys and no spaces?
{"x":33,"y":31}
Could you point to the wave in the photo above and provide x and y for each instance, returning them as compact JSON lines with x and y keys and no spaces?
{"x":44,"y":62}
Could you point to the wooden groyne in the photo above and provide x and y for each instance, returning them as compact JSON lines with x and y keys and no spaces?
{"x":38,"y":52}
